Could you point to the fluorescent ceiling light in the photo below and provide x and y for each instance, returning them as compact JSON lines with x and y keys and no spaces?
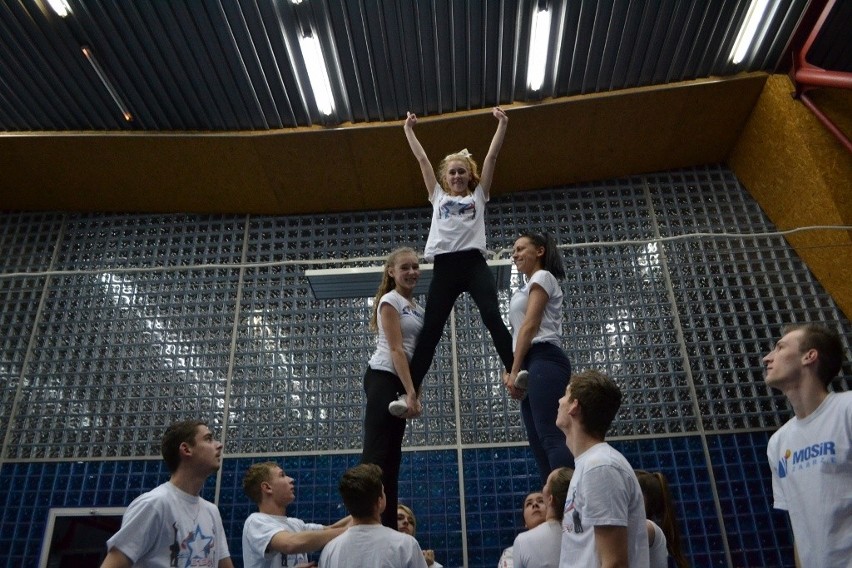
{"x":90,"y":57}
{"x":748,"y":30}
{"x":61,"y":7}
{"x":539,"y":39}
{"x":315,"y":63}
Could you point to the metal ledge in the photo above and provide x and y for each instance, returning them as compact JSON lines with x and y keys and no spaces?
{"x":362,"y":282}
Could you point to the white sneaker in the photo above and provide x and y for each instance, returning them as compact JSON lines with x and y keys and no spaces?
{"x":522,"y":380}
{"x":399,"y":406}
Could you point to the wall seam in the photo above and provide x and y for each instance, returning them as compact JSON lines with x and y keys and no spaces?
{"x":690,"y":379}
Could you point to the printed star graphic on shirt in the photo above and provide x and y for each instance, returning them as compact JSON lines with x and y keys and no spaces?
{"x":199,"y":547}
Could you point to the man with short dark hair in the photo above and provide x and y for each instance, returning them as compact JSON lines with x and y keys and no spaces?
{"x":811,"y":455}
{"x":171,"y":525}
{"x":270,"y":537}
{"x":604,"y":515}
{"x":367,"y":542}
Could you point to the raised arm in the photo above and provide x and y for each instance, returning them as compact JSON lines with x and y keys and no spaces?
{"x":417,"y":149}
{"x":491,"y":158}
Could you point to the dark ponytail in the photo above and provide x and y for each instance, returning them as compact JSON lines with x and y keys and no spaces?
{"x":552,"y":261}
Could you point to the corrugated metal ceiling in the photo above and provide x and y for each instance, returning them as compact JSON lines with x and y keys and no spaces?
{"x":225,"y":65}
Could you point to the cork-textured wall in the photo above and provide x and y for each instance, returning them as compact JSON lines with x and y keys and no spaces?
{"x":801,"y":176}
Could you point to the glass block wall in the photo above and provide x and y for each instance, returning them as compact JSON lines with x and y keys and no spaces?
{"x":113,"y":326}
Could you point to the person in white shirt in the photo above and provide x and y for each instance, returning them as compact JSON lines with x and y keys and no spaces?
{"x":391,"y":396}
{"x":270,"y":537}
{"x":367,"y":542}
{"x":811,"y":455}
{"x":663,"y":531}
{"x":534,"y":513}
{"x":172,"y":525}
{"x":457,"y":246}
{"x":406,"y":523}
{"x":604,"y":520}
{"x":540,"y":547}
{"x":541,"y":369}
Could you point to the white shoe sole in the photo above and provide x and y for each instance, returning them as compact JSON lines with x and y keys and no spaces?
{"x":522,"y":380}
{"x":398,"y":407}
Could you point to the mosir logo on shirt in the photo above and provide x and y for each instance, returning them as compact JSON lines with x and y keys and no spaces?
{"x":809,"y":456}
{"x":451,"y":208}
{"x":409,"y":311}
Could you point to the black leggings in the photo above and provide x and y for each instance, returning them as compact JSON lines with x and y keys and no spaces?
{"x":383,"y":435}
{"x":454,"y":273}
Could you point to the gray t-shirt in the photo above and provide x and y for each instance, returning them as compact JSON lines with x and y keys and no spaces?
{"x":258,"y":531}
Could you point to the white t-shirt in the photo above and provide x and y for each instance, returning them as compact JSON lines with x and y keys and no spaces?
{"x":375,"y":546}
{"x":167,"y":527}
{"x":657,"y":551}
{"x":550,"y":329}
{"x":410,"y":321}
{"x":458,"y":223}
{"x":604,"y":491}
{"x":538,"y":547}
{"x":811,"y":462}
{"x":258,"y":531}
{"x":506,"y":559}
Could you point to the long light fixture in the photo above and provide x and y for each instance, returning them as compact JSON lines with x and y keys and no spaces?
{"x":362,"y":281}
{"x":317,"y":73}
{"x":61,"y":7}
{"x":748,"y":30}
{"x":539,"y":41}
{"x":90,"y":57}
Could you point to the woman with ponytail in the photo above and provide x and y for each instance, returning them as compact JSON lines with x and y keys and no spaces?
{"x":541,"y":369}
{"x":663,"y":538}
{"x":397,"y":318}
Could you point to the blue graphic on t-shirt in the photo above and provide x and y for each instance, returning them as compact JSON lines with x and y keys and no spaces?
{"x":452,"y":208}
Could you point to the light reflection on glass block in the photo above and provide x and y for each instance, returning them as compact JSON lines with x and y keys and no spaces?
{"x":129,"y":352}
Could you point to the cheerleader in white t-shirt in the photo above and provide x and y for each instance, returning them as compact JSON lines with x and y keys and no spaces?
{"x":397,"y":318}
{"x":535,"y":313}
{"x":456,"y":245}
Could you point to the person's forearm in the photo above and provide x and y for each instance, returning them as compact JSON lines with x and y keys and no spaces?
{"x":303,"y":542}
{"x":416,"y":147}
{"x":522,"y":346}
{"x":344,"y":522}
{"x":497,"y":141}
{"x":400,"y":365}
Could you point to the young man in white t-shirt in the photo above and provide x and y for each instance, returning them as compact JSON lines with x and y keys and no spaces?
{"x":171,"y":525}
{"x":811,"y":455}
{"x":270,"y":537}
{"x":604,"y":519}
{"x":367,"y":542}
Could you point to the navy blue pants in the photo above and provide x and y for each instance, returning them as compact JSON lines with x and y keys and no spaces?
{"x":550,"y":371}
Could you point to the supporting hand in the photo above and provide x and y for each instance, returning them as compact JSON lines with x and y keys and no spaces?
{"x":509,"y":383}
